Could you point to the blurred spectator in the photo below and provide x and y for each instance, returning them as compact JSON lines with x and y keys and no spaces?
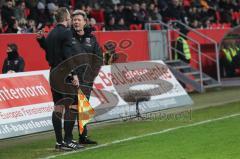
{"x":31,"y":26}
{"x":154,"y":14}
{"x":88,"y":10}
{"x":52,"y":7}
{"x":195,"y":24}
{"x":7,"y":12}
{"x":42,"y":16}
{"x":21,"y":11}
{"x":1,"y":26}
{"x":13,"y":63}
{"x":63,"y":3}
{"x":13,"y":27}
{"x":121,"y":25}
{"x":92,"y":22}
{"x":33,"y":11}
{"x":22,"y":26}
{"x":128,"y":13}
{"x":176,"y":11}
{"x":118,"y":11}
{"x":138,"y":16}
{"x":196,"y":13}
{"x":111,"y":24}
{"x":143,"y":11}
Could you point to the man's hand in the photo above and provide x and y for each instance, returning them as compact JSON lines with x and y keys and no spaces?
{"x":75,"y":81}
{"x":40,"y":34}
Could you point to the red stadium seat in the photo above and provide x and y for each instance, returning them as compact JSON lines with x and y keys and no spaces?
{"x":98,"y":27}
{"x":216,"y":25}
{"x":226,"y":25}
{"x":136,"y":27}
{"x":156,"y":27}
{"x":237,"y":71}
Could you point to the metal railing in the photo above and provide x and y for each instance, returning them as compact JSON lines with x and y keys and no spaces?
{"x":169,"y":28}
{"x":216,"y":60}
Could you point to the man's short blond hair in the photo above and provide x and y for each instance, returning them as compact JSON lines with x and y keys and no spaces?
{"x":79,"y":12}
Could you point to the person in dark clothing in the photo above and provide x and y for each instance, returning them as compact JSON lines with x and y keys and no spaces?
{"x":85,"y":43}
{"x":128,"y":14}
{"x":13,"y":27}
{"x":175,"y":10}
{"x":13,"y":63}
{"x":58,"y":48}
{"x":138,"y":16}
{"x":7,"y":12}
{"x":111,"y":24}
{"x":121,"y":25}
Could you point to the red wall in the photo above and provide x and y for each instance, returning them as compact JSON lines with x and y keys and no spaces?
{"x":28,"y":47}
{"x":134,"y":44}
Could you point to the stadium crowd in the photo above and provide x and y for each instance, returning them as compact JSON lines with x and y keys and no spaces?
{"x":28,"y":16}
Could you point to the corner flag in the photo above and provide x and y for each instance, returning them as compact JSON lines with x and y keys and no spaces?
{"x":85,"y":110}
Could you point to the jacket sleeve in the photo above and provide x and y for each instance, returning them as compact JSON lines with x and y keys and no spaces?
{"x":42,"y":43}
{"x":4,"y":68}
{"x":21,"y":65}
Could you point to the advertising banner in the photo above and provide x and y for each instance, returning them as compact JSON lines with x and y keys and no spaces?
{"x":26,"y":102}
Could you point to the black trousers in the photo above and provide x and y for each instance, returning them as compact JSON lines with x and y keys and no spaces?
{"x":227,"y":68}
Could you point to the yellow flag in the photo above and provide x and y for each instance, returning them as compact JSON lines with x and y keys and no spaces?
{"x":85,"y":110}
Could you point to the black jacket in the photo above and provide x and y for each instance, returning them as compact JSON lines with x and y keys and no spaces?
{"x":7,"y":14}
{"x":16,"y":64}
{"x":57,"y":45}
{"x":87,"y":45}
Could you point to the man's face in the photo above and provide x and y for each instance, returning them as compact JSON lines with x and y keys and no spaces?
{"x":9,"y":4}
{"x":9,"y":49}
{"x":23,"y":5}
{"x":78,"y":22}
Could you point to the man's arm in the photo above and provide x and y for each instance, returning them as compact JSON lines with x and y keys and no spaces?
{"x":41,"y":40}
{"x":67,"y":53}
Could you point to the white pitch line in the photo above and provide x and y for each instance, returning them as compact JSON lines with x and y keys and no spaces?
{"x":142,"y":136}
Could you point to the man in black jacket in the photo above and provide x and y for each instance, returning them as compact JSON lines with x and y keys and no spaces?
{"x":58,"y":48}
{"x":85,"y":46}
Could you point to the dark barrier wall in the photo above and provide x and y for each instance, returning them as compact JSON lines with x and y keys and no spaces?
{"x":132,"y":45}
